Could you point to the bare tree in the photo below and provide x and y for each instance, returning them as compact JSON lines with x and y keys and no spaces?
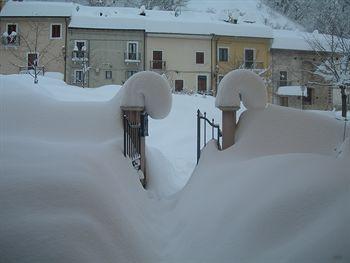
{"x":38,"y":54}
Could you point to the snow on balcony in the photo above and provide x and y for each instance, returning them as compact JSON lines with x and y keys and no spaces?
{"x":292,"y":91}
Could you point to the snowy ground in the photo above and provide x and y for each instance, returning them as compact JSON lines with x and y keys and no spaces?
{"x":67,"y":194}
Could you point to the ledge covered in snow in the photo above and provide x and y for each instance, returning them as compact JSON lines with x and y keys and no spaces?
{"x":292,"y":91}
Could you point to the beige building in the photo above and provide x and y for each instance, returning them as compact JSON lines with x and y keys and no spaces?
{"x":184,"y":59}
{"x":32,"y":36}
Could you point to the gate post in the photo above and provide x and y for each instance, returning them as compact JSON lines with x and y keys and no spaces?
{"x":228,"y":126}
{"x":134,"y":115}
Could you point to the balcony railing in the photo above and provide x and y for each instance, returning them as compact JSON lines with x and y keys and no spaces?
{"x":10,"y":41}
{"x":30,"y":70}
{"x":79,"y":55}
{"x":157,"y":64}
{"x":251,"y":64}
{"x":132,"y":57}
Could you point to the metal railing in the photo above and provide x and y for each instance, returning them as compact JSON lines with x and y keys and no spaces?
{"x":132,"y":141}
{"x":79,"y":55}
{"x":9,"y":41}
{"x":213,"y":126}
{"x":282,"y":83}
{"x":132,"y":56}
{"x":157,"y":64}
{"x":251,"y":64}
{"x":31,"y":70}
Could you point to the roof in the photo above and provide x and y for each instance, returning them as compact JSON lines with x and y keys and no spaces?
{"x":188,"y":22}
{"x":297,"y":40}
{"x":37,"y":9}
{"x":292,"y":91}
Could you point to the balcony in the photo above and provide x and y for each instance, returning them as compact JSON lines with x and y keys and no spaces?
{"x":251,"y":64}
{"x":10,"y":41}
{"x":133,"y":57}
{"x":79,"y":55}
{"x":30,"y":70}
{"x":283,"y":83}
{"x":157,"y":65}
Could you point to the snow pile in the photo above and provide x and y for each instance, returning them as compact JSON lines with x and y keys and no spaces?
{"x":148,"y":90}
{"x":67,"y":194}
{"x":242,"y":82}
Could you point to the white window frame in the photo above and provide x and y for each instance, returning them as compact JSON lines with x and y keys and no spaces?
{"x":75,"y":74}
{"x":200,"y":51}
{"x":61,"y":31}
{"x":228,"y":54}
{"x":76,"y":41}
{"x":254,"y":54}
{"x":7,"y":24}
{"x":17,"y":31}
{"x":137,"y":49}
{"x":111,"y":77}
{"x":203,"y":74}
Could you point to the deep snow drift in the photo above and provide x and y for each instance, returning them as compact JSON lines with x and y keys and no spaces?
{"x":67,"y":194}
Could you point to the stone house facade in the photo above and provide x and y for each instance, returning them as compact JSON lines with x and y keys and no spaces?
{"x":294,"y":70}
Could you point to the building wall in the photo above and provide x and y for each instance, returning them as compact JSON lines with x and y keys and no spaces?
{"x":299,"y":66}
{"x":51,"y":51}
{"x":179,"y":54}
{"x":236,"y":47}
{"x":105,"y":49}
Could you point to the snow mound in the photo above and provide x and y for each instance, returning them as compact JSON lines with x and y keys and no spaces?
{"x":148,"y":90}
{"x":242,"y":82}
{"x":54,"y":75}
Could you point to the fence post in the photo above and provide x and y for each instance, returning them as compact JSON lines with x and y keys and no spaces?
{"x":134,"y":115}
{"x":198,"y":135}
{"x":228,"y":126}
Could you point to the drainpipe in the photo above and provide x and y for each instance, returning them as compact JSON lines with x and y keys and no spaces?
{"x":144,"y":50}
{"x":65,"y":50}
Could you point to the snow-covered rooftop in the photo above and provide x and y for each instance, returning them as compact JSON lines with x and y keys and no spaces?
{"x":37,"y":8}
{"x":155,"y":21}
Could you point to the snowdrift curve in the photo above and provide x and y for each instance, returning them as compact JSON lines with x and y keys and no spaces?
{"x":244,"y":82}
{"x":149,"y":90}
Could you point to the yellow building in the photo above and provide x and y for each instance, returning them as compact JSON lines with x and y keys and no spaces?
{"x":234,"y":52}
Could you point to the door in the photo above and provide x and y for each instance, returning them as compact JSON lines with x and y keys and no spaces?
{"x":249,"y":58}
{"x":157,"y":60}
{"x":179,"y":85}
{"x":284,"y":101}
{"x":32,"y":59}
{"x":202,"y":84}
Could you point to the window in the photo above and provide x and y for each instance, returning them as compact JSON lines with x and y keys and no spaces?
{"x":199,"y":57}
{"x":12,"y":32}
{"x":202,"y":83}
{"x":249,"y":58}
{"x":157,"y":62}
{"x":56,"y":31}
{"x":132,"y":51}
{"x":129,"y":73}
{"x":283,"y":78}
{"x":78,"y":76}
{"x":179,"y":85}
{"x":223,"y":54}
{"x":79,"y":50}
{"x":108,"y":74}
{"x":32,"y":60}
